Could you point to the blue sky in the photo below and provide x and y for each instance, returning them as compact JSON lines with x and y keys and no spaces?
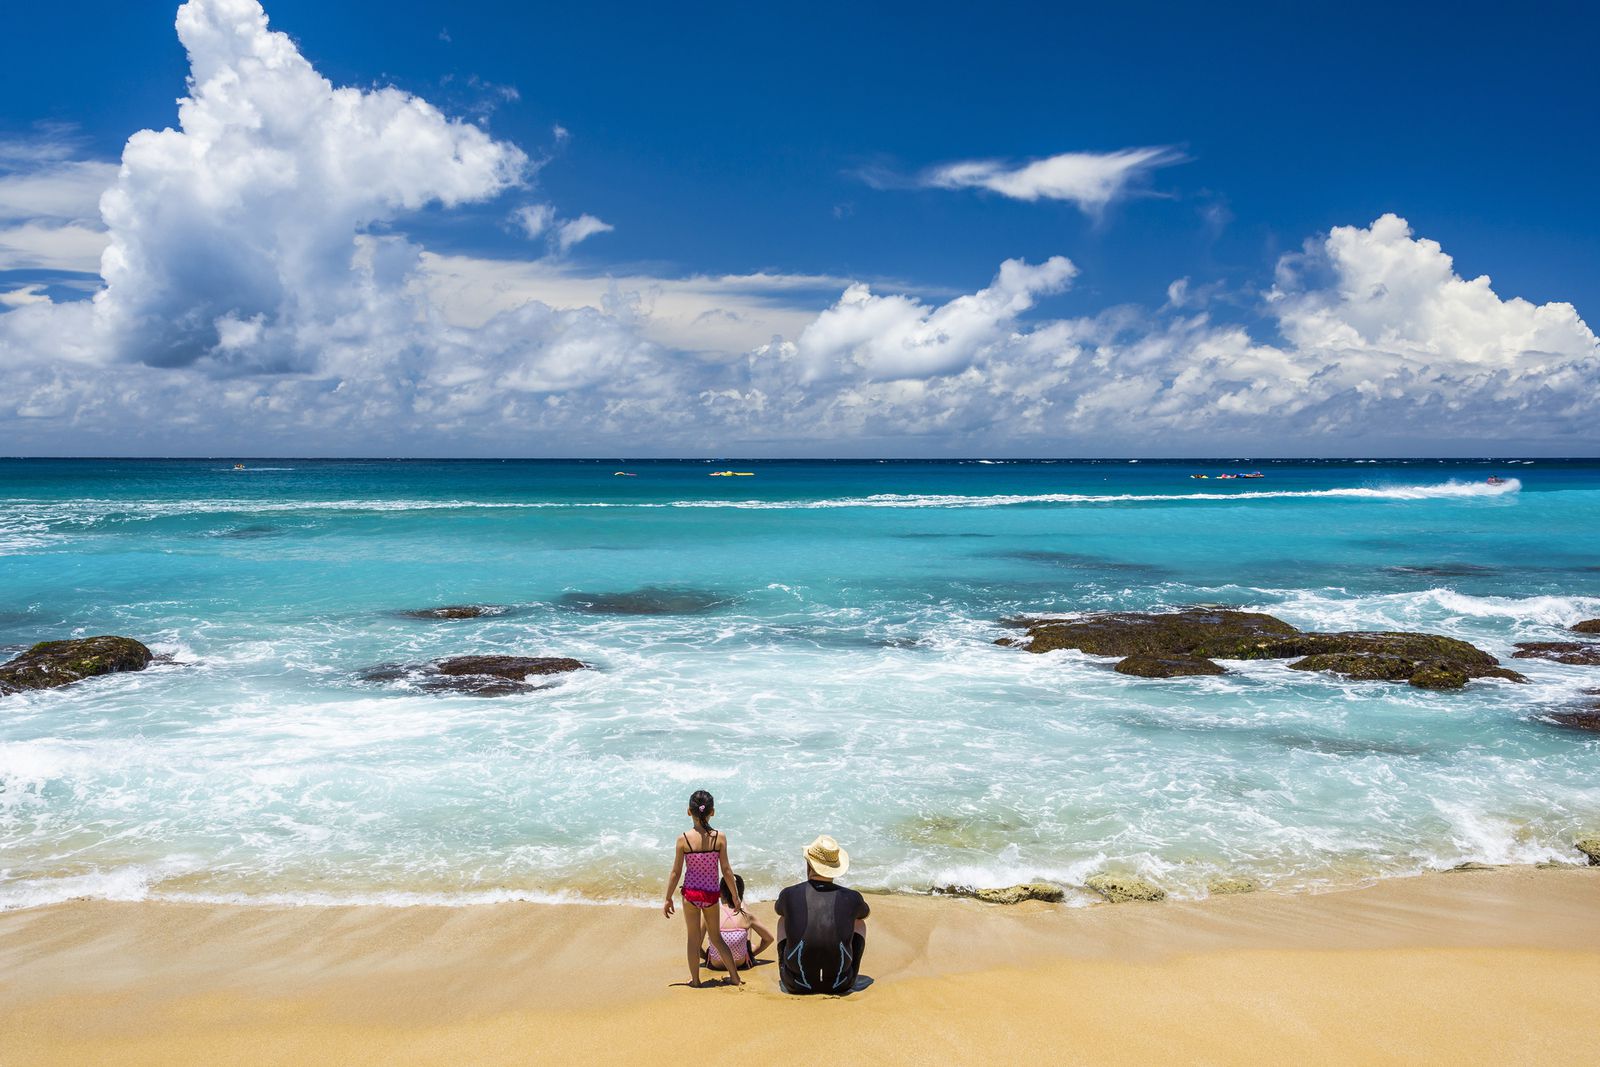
{"x":794,"y":153}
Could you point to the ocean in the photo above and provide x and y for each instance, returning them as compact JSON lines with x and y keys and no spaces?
{"x":814,"y":644}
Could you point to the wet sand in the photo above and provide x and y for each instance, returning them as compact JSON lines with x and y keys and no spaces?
{"x":1466,"y":967}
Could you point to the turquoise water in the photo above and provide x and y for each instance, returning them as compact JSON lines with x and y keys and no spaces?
{"x":841,"y":675}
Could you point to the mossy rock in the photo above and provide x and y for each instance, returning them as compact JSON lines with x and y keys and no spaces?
{"x":1587,"y":626}
{"x":1575,"y":653}
{"x":1011,"y":894}
{"x":1222,"y":887}
{"x":51,"y":664}
{"x":1589,"y":846}
{"x":1439,"y":676}
{"x":1358,"y":666}
{"x":1119,"y":888}
{"x":1202,"y":633}
{"x":1167,"y":666}
{"x":1173,"y":644}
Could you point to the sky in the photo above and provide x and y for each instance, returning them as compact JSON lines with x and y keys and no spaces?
{"x":496,"y":229}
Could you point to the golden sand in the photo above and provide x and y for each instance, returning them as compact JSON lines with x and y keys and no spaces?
{"x":1473,"y":967}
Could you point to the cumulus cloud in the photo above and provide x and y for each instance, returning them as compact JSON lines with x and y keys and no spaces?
{"x":875,"y":337}
{"x":1091,"y":180}
{"x":259,"y":296}
{"x":1381,"y":341}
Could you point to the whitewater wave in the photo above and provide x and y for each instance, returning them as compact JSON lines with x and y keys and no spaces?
{"x":30,"y":518}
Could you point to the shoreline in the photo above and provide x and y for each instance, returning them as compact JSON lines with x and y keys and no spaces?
{"x":1510,"y":958}
{"x":1075,"y":894}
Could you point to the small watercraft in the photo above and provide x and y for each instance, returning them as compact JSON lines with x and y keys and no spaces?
{"x":1253,"y":474}
{"x":1495,"y":479}
{"x":1226,"y":477}
{"x":733,"y":474}
{"x":624,"y":474}
{"x":238,"y":466}
{"x":1199,"y":475}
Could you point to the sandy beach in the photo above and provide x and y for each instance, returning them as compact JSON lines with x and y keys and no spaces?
{"x":1486,"y":966}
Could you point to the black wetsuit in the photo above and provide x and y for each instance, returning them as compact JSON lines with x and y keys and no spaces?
{"x":820,"y":951}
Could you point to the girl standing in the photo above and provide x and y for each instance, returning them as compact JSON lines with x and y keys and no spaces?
{"x":700,"y":857}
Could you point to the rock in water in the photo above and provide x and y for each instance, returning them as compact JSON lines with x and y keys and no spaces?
{"x":57,"y":663}
{"x":1166,"y":666}
{"x":455,"y":611}
{"x":1578,"y":653}
{"x":1013,"y":894}
{"x":1120,"y":888}
{"x":485,"y":676}
{"x":1575,"y":720}
{"x":1202,"y":633}
{"x":1589,"y":846}
{"x":1587,"y":626}
{"x":1222,"y":887}
{"x":1170,"y":644}
{"x":647,"y":601}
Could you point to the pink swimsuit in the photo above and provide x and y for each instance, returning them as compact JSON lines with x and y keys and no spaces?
{"x":737,"y":938}
{"x":702,"y":878}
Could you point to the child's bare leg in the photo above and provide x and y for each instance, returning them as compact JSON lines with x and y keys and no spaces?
{"x":719,"y":946}
{"x":691,"y":920}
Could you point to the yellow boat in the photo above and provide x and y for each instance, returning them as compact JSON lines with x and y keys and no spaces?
{"x":733,"y":474}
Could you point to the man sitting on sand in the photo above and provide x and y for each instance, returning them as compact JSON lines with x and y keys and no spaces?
{"x":822,"y":929}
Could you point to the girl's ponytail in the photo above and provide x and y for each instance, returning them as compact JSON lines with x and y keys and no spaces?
{"x":701,"y":805}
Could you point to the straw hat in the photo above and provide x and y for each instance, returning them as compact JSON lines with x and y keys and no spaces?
{"x":826,"y":857}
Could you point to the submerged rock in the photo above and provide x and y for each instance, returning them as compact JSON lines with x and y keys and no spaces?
{"x":456,"y":611}
{"x":1167,"y":666}
{"x":1222,"y":887}
{"x":252,"y":533}
{"x":488,"y":676}
{"x":649,"y":600}
{"x":50,"y":664}
{"x":1442,"y":570}
{"x":1583,"y":719}
{"x":1589,"y":846}
{"x":1121,"y":888}
{"x":1191,"y":637}
{"x":1012,"y":894}
{"x":1578,"y":653}
{"x":1473,"y":865}
{"x":1587,"y":626}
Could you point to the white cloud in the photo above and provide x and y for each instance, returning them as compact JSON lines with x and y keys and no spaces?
{"x":1091,"y":180}
{"x":720,"y":316}
{"x":580,"y":229}
{"x":49,"y":205}
{"x":21,"y":297}
{"x":891,"y":337}
{"x":534,"y":219}
{"x":39,"y":245}
{"x":540,"y":221}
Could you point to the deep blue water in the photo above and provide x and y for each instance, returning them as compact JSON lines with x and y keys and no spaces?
{"x":840,"y":673}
